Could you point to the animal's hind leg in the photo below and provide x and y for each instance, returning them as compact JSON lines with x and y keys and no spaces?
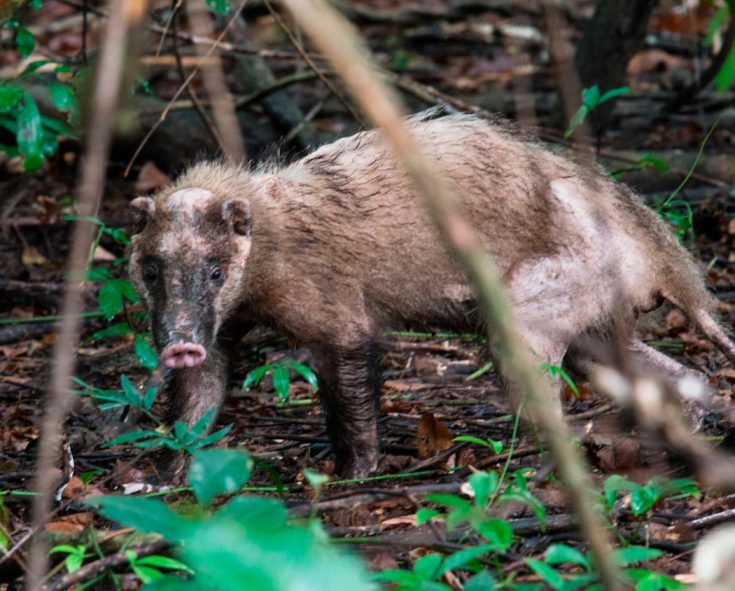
{"x":646,"y":357}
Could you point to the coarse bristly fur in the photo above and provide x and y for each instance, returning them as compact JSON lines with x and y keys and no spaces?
{"x":337,"y":247}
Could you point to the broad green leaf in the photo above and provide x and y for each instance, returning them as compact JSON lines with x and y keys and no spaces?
{"x":726,"y":75}
{"x":25,"y":42}
{"x":406,"y":579}
{"x":218,"y":471}
{"x":62,"y":96}
{"x":176,"y":583}
{"x":305,"y":372}
{"x":547,"y":573}
{"x":281,"y":380}
{"x":715,"y":24}
{"x":428,"y":567}
{"x":33,"y":67}
{"x":447,"y":500}
{"x":561,"y":554}
{"x":146,"y":574}
{"x":110,"y":299}
{"x":219,"y":6}
{"x":28,"y":136}
{"x":73,"y":562}
{"x":130,"y":391}
{"x":150,"y":397}
{"x":145,"y":515}
{"x":483,"y":581}
{"x":631,"y":554}
{"x":119,"y":329}
{"x":642,"y":499}
{"x":262,"y":513}
{"x":462,"y":557}
{"x":146,"y":354}
{"x":256,"y":375}
{"x":591,"y":96}
{"x":483,"y":485}
{"x":496,"y":531}
{"x":425,"y":515}
{"x":9,"y":97}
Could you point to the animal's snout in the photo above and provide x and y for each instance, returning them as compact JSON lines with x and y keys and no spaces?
{"x":183,"y":355}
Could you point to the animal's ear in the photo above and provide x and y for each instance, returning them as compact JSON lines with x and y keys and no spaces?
{"x":236,"y":212}
{"x":141,"y":209}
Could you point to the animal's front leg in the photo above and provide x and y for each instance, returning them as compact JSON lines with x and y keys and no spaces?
{"x":350,"y":390}
{"x":191,"y":393}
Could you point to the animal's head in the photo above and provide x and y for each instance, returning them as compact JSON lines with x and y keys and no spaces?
{"x":188,"y":256}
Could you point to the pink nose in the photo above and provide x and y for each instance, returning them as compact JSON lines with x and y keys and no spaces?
{"x":183,"y":355}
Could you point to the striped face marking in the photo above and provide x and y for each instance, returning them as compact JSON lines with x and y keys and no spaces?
{"x":189,"y":200}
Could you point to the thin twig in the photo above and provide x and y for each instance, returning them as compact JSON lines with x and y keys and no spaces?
{"x":332,"y":35}
{"x":125,"y":15}
{"x":310,"y":62}
{"x":223,"y":108}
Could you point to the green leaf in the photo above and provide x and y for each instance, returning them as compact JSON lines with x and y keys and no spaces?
{"x":483,"y":581}
{"x":642,"y":499}
{"x":483,"y":484}
{"x":447,"y":500}
{"x":201,"y":426}
{"x":33,"y":67}
{"x":425,"y":515}
{"x":146,"y":353}
{"x":9,"y":97}
{"x":150,"y":397}
{"x":145,"y":515}
{"x":261,"y":513}
{"x":219,"y":6}
{"x":715,"y":24}
{"x":176,"y":583}
{"x":25,"y":42}
{"x":726,"y":74}
{"x":256,"y":375}
{"x":576,"y":120}
{"x":547,"y":573}
{"x":281,"y":381}
{"x":214,"y":437}
{"x":62,"y":96}
{"x":591,"y":96}
{"x":110,"y":299}
{"x":163,"y":562}
{"x":631,"y":554}
{"x":496,"y":531}
{"x":462,"y":557}
{"x":496,"y":446}
{"x":428,"y":567}
{"x":218,"y":471}
{"x":73,"y":562}
{"x":315,"y":479}
{"x":28,"y":136}
{"x":613,"y":93}
{"x":561,"y":554}
{"x":146,"y":574}
{"x":119,"y":329}
{"x":131,"y":436}
{"x":130,"y":391}
{"x":305,"y":372}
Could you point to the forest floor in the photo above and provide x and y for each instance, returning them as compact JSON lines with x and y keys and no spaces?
{"x":432,"y":392}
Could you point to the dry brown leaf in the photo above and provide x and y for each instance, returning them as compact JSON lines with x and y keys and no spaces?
{"x":150,"y":178}
{"x":432,"y":437}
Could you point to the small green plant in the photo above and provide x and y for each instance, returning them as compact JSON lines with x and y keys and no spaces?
{"x":148,"y":568}
{"x":180,"y":438}
{"x":115,"y":294}
{"x":647,"y":161}
{"x":556,"y":372}
{"x":726,"y":74}
{"x":75,"y":555}
{"x":247,"y":543}
{"x":582,"y":574}
{"x":592,"y":99}
{"x":36,"y":136}
{"x":281,"y":374}
{"x":644,"y":496}
{"x":493,"y":444}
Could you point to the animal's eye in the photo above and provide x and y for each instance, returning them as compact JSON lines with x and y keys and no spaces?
{"x":150,"y":273}
{"x":217,"y":274}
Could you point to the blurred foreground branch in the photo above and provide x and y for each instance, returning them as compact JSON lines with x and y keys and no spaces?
{"x":334,"y":37}
{"x":124,"y":16}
